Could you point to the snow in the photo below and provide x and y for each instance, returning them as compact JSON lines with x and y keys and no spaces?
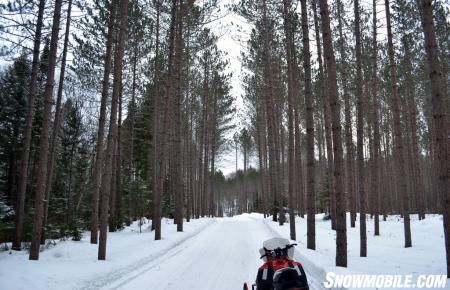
{"x":219,"y":254}
{"x":74,"y":265}
{"x":385,"y":253}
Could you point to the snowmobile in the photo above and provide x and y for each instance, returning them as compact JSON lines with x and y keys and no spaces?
{"x":279,"y":271}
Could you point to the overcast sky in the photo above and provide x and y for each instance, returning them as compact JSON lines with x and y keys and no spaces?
{"x":233,"y":33}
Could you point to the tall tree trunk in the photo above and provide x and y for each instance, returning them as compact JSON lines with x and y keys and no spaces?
{"x":291,"y":153}
{"x":188,"y":136}
{"x":299,"y":187}
{"x":25,"y":154}
{"x":417,"y":182}
{"x":118,"y":199}
{"x":398,"y":138}
{"x":113,"y":191}
{"x":341,"y":227}
{"x":206,"y":153}
{"x":360,"y":135}
{"x":271,"y":127}
{"x":376,"y":126}
{"x":156,"y":114}
{"x":133,"y":105}
{"x":163,"y":134}
{"x":112,"y":133}
{"x":280,"y":155}
{"x":348,"y":123}
{"x":441,"y":126}
{"x":189,"y":151}
{"x":101,"y":124}
{"x":327,"y":119}
{"x":204,"y":139}
{"x":44,"y":142}
{"x":260,"y":134}
{"x":69,"y":208}
{"x":244,"y":180}
{"x":212,"y":211}
{"x":56,"y":123}
{"x":178,"y":101}
{"x":310,"y":159}
{"x":201,"y":142}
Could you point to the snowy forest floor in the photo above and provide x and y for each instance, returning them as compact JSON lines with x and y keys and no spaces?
{"x":221,"y":253}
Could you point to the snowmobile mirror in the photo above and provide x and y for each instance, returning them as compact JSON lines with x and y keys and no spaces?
{"x":286,"y":251}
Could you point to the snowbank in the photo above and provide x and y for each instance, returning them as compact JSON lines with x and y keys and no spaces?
{"x":385,"y":253}
{"x":74,"y":265}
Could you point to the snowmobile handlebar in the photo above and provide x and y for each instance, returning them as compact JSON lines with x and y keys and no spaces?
{"x":278,"y":252}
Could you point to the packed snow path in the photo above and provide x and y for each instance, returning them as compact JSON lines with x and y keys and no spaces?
{"x":220,"y":257}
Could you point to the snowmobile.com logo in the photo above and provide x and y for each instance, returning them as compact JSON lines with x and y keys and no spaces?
{"x":333,"y":280}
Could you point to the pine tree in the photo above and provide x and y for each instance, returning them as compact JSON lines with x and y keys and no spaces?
{"x":376,"y":126}
{"x":162,"y":130}
{"x":360,"y":136}
{"x":439,"y":115}
{"x":341,"y":228}
{"x":44,"y":142}
{"x":310,"y":162}
{"x":398,"y":138}
{"x":57,"y":121}
{"x":112,"y":133}
{"x":291,"y":151}
{"x":101,"y":125}
{"x":24,"y":159}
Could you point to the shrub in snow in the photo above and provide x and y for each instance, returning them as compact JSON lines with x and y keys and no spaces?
{"x":6,"y":223}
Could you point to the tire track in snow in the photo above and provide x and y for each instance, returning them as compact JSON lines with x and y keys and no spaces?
{"x":221,"y":258}
{"x":112,"y":280}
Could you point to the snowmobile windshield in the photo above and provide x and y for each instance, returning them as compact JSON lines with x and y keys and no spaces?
{"x":276,"y":243}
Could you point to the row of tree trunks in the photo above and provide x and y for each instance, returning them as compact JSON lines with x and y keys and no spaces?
{"x":169,"y":149}
{"x":381,"y":159}
{"x":273,"y":141}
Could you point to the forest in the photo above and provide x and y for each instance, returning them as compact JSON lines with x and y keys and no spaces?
{"x":117,"y":111}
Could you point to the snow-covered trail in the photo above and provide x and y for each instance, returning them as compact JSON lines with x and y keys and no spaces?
{"x":219,"y":253}
{"x":221,"y":257}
